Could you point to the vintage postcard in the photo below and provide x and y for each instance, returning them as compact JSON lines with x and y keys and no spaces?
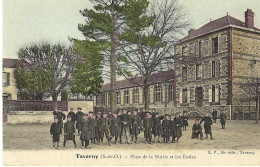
{"x":130,"y":82}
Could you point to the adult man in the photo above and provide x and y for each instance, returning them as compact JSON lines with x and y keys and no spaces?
{"x":214,"y":115}
{"x":223,"y":119}
{"x":207,"y":125}
{"x":157,"y":127}
{"x":166,"y":129}
{"x":72,"y":115}
{"x":104,"y":127}
{"x":148,"y":125}
{"x":69,"y":132}
{"x":61,"y":116}
{"x":78,"y":117}
{"x":135,"y":126}
{"x":125,"y":126}
{"x":197,"y":130}
{"x":178,"y":126}
{"x":85,"y":131}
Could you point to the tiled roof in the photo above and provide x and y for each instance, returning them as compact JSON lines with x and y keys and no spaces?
{"x":163,"y":76}
{"x":215,"y":25}
{"x":14,"y":63}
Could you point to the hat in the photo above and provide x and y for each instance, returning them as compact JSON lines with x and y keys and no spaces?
{"x":155,"y":113}
{"x":55,"y":117}
{"x":148,"y":113}
{"x":90,"y":112}
{"x":85,"y":114}
{"x":69,"y":116}
{"x":167,"y":115}
{"x":71,"y":108}
{"x":79,"y":108}
{"x":59,"y":109}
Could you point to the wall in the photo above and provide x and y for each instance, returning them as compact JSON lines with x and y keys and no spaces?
{"x":30,"y":117}
{"x":85,"y":105}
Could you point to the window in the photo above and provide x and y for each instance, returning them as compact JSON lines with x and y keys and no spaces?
{"x":136,"y":95}
{"x":199,"y":49}
{"x":213,"y":69}
{"x":170,"y":93}
{"x":126,"y":97}
{"x":184,"y":74}
{"x":214,"y":45}
{"x":183,"y":50}
{"x":6,"y":79}
{"x":198,"y":71}
{"x":104,"y":98}
{"x":158,"y":93}
{"x":213,"y":93}
{"x":118,"y":97}
{"x":184,"y":96}
{"x":109,"y":98}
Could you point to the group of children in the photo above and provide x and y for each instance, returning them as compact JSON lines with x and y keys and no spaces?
{"x":123,"y":126}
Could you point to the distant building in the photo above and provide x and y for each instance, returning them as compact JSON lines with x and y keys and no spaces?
{"x":213,"y":62}
{"x":130,"y":95}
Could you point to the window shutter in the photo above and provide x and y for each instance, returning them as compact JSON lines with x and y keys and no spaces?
{"x":203,"y":71}
{"x":8,"y":79}
{"x":210,"y":43}
{"x":217,"y":68}
{"x":180,"y":97}
{"x":209,"y":69}
{"x":217,"y":93}
{"x":210,"y":94}
{"x":188,"y":95}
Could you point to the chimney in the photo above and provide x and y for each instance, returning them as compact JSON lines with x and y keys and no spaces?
{"x":190,"y":31}
{"x":249,"y":18}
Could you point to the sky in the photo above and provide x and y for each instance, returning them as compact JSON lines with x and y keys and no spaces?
{"x":28,"y":21}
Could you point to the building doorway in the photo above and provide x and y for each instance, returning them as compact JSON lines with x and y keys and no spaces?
{"x":199,"y":96}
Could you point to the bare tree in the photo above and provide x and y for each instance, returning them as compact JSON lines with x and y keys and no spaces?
{"x":151,"y":48}
{"x":57,"y":60}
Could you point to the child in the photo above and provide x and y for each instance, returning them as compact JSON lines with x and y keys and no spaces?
{"x":157,"y":127}
{"x":69,"y":132}
{"x":166,"y":129}
{"x":61,"y":116}
{"x":178,"y":126}
{"x":207,"y":125}
{"x":197,"y":130}
{"x":135,"y":126}
{"x":115,"y":127}
{"x":185,"y":121}
{"x":104,"y":126}
{"x":148,"y":125}
{"x":172,"y":128}
{"x":85,"y":131}
{"x":55,"y":133}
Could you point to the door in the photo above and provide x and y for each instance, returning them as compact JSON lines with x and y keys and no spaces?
{"x":199,"y":96}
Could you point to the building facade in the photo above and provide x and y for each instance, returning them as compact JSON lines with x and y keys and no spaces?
{"x":213,"y":62}
{"x":129,"y":95}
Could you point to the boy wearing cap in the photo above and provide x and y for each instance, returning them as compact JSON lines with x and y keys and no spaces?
{"x":172,"y":128}
{"x":207,"y":125}
{"x":61,"y":116}
{"x":72,"y":115}
{"x":55,"y":131}
{"x":69,"y":132}
{"x":197,"y":130}
{"x":92,"y":127}
{"x":157,"y":127}
{"x":115,"y":127}
{"x":135,"y":126}
{"x":98,"y":130}
{"x":85,"y":131}
{"x":104,"y":127}
{"x":178,"y":126}
{"x":148,"y":125}
{"x":78,"y":117}
{"x":166,"y":129}
{"x":125,"y":126}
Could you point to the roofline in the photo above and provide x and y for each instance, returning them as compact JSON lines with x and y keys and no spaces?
{"x":228,"y":26}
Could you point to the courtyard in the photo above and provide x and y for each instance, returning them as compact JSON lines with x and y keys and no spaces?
{"x":239,"y":134}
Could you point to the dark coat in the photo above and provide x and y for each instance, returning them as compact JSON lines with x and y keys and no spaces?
{"x":61,"y":116}
{"x":72,"y":115}
{"x":166,"y":126}
{"x":69,"y":130}
{"x":98,"y":130}
{"x":79,"y":117}
{"x":55,"y":131}
{"x":172,"y":128}
{"x":115,"y":127}
{"x":157,"y":127}
{"x":196,"y":131}
{"x":104,"y":123}
{"x":85,"y":129}
{"x":148,"y":125}
{"x":93,"y":128}
{"x":135,"y":125}
{"x":178,"y":127}
{"x":184,"y":120}
{"x":207,"y":124}
{"x":214,"y":114}
{"x":223,"y":118}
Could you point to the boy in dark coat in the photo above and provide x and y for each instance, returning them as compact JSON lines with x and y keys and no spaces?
{"x":166,"y":129}
{"x":98,"y":130}
{"x":92,"y":119}
{"x":85,"y":131}
{"x":115,"y":127}
{"x":185,"y":121}
{"x":104,"y":127}
{"x":207,"y":125}
{"x":178,"y":126}
{"x":197,"y":130}
{"x":148,"y":125}
{"x":55,"y":131}
{"x":69,"y":132}
{"x":157,"y":127}
{"x":78,"y":117}
{"x":72,"y":115}
{"x":223,"y":119}
{"x":214,"y":115}
{"x":119,"y":116}
{"x":61,"y":116}
{"x":172,"y":128}
{"x":135,"y":126}
{"x":125,"y":126}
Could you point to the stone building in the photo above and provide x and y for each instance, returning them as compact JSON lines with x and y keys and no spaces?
{"x":213,"y":62}
{"x":129,"y":95}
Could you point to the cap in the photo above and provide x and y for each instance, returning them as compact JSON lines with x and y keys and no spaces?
{"x":79,"y":108}
{"x":167,"y":115}
{"x":85,"y":114}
